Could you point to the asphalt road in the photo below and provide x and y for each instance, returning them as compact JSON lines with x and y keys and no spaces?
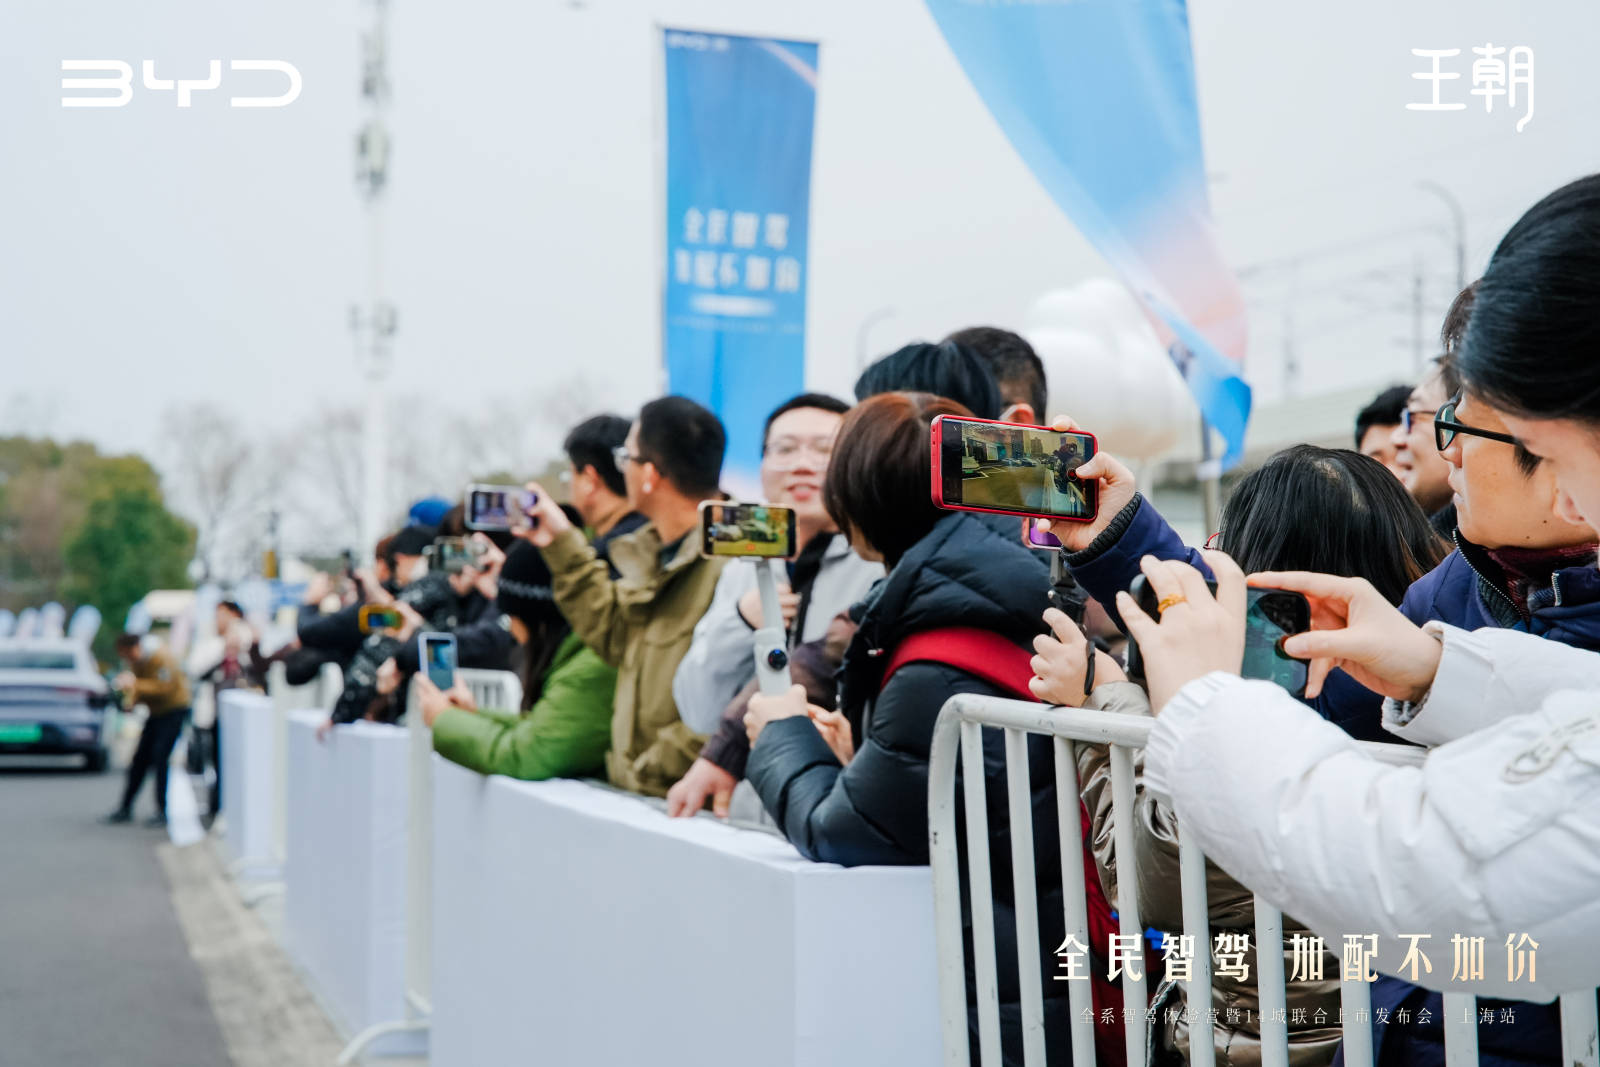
{"x":94,"y":970}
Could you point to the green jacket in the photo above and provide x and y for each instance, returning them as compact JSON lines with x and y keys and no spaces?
{"x":564,"y":734}
{"x":641,"y":624}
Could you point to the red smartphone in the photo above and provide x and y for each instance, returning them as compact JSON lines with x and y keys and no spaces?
{"x":1009,"y":468}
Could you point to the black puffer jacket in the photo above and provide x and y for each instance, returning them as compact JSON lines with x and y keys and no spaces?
{"x":875,"y":810}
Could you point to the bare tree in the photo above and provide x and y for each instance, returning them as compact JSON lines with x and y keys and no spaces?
{"x":214,"y":478}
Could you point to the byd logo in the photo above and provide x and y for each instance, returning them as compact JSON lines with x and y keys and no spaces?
{"x":122,"y":82}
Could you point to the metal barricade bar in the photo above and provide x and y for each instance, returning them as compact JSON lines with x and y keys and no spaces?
{"x":959,"y":733}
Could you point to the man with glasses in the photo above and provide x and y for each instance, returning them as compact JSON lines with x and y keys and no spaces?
{"x":642,"y":622}
{"x":825,"y":579}
{"x":1418,"y":464}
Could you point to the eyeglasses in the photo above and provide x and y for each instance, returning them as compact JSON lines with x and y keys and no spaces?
{"x":1408,"y":417}
{"x":788,"y":448}
{"x":1445,"y":427}
{"x":622,"y":457}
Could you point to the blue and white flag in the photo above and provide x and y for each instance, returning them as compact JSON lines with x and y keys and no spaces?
{"x":738,"y":174}
{"x":1098,"y":97}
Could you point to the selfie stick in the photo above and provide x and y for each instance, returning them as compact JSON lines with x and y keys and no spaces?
{"x":1068,"y":597}
{"x":771,"y":646}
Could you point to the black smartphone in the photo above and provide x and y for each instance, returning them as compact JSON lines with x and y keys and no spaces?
{"x":497,"y":507}
{"x":1270,"y":616}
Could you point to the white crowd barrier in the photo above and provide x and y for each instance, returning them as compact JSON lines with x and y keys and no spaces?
{"x":345,"y":875}
{"x":322,"y":692}
{"x":958,"y":734}
{"x":576,"y":924}
{"x":249,"y":769}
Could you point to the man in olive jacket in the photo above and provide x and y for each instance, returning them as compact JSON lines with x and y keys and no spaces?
{"x":154,"y":679}
{"x":643,"y":621}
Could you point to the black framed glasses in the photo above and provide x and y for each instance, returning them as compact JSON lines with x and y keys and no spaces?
{"x":622,"y":457}
{"x":1445,"y":427}
{"x":1409,"y":417}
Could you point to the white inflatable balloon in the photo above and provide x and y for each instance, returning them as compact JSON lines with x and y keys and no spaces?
{"x":8,"y":623}
{"x":85,"y":624}
{"x":1107,"y":369}
{"x":52,"y":620}
{"x":27,"y":623}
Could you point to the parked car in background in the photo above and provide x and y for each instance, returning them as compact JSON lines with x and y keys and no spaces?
{"x":53,"y":701}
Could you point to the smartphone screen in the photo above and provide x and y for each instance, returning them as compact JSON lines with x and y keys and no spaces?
{"x":1274,"y":614}
{"x":1270,"y":616}
{"x":372,"y":618}
{"x":439,"y":659}
{"x":1008,"y":467}
{"x":453,"y":554}
{"x":497,"y":507}
{"x":746,"y":530}
{"x":1034,"y":537}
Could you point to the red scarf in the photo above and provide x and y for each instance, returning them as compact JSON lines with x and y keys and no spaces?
{"x":1525,"y":569}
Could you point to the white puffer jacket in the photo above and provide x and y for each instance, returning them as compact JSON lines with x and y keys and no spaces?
{"x":1496,"y":834}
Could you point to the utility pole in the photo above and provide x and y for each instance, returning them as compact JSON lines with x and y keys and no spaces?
{"x":372,"y":327}
{"x":1459,"y":216}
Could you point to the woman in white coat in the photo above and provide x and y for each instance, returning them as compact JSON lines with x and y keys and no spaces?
{"x":1497,"y":833}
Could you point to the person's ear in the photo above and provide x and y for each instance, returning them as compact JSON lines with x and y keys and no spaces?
{"x":1020,"y":413}
{"x":1567,"y":509}
{"x":649,"y":474}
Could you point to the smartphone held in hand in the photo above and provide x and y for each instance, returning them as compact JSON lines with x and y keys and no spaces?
{"x":749,"y":530}
{"x":1270,"y":616}
{"x":438,"y":654}
{"x":1010,"y":468}
{"x":497,"y":508}
{"x":372,"y":618}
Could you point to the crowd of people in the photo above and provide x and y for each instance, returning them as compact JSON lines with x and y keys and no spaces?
{"x":1449,"y":560}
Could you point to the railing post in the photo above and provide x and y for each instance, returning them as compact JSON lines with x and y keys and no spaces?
{"x":1271,"y":993}
{"x":1025,"y":898}
{"x":1134,"y":995}
{"x":1075,"y":900}
{"x":944,"y":859}
{"x":981,"y":892}
{"x":1197,"y":923}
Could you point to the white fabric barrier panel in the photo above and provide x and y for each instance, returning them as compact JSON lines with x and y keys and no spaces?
{"x":249,"y":780}
{"x":573,"y":924}
{"x":345,"y":876}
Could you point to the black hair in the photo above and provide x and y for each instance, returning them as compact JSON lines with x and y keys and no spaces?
{"x":1016,"y":367}
{"x":126,"y":642}
{"x":685,"y":441}
{"x":947,"y":369}
{"x":589,"y":444}
{"x":1333,"y":511}
{"x":232,"y":608}
{"x":819,"y":401}
{"x":1531,"y":338}
{"x":1384,"y":410}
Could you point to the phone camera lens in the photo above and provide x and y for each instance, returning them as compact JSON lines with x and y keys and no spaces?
{"x":777,"y":659}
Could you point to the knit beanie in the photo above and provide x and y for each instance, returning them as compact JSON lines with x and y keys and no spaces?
{"x":525,"y":586}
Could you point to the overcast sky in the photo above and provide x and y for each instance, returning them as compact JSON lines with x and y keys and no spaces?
{"x":154,"y":255}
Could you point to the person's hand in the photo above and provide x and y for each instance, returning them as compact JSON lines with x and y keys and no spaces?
{"x":764,"y":709}
{"x":788,"y":606}
{"x":124,"y":682}
{"x":1063,"y":660}
{"x":1355,"y":629}
{"x":549,"y":521}
{"x":490,"y":560}
{"x":705,"y":779}
{"x":432,"y":701}
{"x":1196,"y":634}
{"x":461,"y":696}
{"x":318,"y":588}
{"x":835,"y":730}
{"x":388,"y":677}
{"x":410,"y":622}
{"x":1116,"y":487}
{"x":324,"y":728}
{"x":370,"y":589}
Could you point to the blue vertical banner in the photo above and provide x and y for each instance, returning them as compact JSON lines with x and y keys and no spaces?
{"x":739,"y":114}
{"x":1098,"y":97}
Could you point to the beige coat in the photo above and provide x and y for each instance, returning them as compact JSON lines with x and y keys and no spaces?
{"x":1231,"y":908}
{"x":641,"y":624}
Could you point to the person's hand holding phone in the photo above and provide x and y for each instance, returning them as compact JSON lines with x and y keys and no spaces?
{"x":410,"y":621}
{"x":1062,"y":661}
{"x":548,"y":520}
{"x":1356,"y":630}
{"x":1117,"y":487}
{"x":750,"y":606}
{"x":371,"y":590}
{"x":388,"y":677}
{"x":1196,"y":633}
{"x":704,"y":779}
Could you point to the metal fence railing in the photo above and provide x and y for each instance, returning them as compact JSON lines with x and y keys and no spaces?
{"x":958,"y":735}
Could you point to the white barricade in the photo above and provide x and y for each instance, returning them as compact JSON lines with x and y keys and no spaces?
{"x":345,"y":912}
{"x":322,"y":692}
{"x":248,"y":761}
{"x":958,"y":734}
{"x":574,"y":924}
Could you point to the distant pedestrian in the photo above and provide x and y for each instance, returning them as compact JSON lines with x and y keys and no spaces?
{"x":155,"y":680}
